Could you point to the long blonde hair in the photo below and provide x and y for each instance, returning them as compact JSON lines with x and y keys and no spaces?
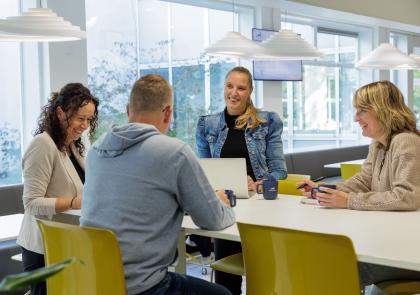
{"x":250,"y":117}
{"x":387,"y":101}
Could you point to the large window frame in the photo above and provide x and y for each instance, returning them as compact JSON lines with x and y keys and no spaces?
{"x":294,"y":137}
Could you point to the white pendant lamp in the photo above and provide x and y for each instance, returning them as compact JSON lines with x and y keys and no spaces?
{"x":416,"y":58}
{"x":39,"y":25}
{"x":386,"y":57}
{"x":287,"y":45}
{"x":233,"y":44}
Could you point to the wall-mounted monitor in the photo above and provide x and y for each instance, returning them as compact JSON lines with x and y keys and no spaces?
{"x":279,"y":70}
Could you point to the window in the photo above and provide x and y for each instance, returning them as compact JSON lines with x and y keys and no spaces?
{"x":399,"y":77}
{"x":129,"y":39}
{"x":318,"y":111}
{"x":10,"y":114}
{"x":416,"y":91}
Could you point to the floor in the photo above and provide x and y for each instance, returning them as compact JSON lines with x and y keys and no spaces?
{"x":199,"y":268}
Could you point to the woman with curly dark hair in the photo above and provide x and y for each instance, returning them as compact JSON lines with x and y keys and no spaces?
{"x":53,"y":167}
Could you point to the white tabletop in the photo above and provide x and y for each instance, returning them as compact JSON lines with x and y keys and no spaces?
{"x":338,"y":165}
{"x":386,"y":238}
{"x":10,"y":226}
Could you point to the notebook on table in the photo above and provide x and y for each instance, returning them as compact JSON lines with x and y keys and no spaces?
{"x":227,"y":173}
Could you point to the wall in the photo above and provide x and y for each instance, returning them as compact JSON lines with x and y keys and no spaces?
{"x":68,"y":60}
{"x":406,"y":11}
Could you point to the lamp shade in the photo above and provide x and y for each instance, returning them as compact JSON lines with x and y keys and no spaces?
{"x":233,"y":44}
{"x":416,"y":58}
{"x":39,"y":24}
{"x":386,"y":57}
{"x":287,"y":45}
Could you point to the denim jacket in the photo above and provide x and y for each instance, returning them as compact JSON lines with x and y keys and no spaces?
{"x":264,"y":143}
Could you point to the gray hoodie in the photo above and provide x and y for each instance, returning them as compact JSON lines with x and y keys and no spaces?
{"x":139,"y":183}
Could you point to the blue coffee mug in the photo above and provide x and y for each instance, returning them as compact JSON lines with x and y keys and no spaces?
{"x":269,"y":188}
{"x":319,"y":189}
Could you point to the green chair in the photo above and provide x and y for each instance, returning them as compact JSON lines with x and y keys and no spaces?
{"x":102,"y":272}
{"x":348,"y":170}
{"x":293,"y":262}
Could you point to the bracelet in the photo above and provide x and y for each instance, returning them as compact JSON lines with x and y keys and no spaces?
{"x":71,"y":203}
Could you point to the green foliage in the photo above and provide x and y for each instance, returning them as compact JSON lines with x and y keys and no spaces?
{"x":10,"y":154}
{"x":110,"y":80}
{"x":113,"y":75}
{"x":22,"y":280}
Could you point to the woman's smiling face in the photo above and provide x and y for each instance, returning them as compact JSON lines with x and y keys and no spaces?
{"x":237,"y":93}
{"x":79,"y":122}
{"x":369,"y":123}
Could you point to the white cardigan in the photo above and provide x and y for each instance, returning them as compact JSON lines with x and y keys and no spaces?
{"x":48,"y":173}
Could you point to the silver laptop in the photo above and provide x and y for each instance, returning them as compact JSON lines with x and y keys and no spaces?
{"x":227,"y":173}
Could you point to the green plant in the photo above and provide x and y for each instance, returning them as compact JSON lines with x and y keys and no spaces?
{"x":22,"y":280}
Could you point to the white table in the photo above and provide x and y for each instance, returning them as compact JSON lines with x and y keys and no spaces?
{"x":338,"y":165}
{"x":385,"y":238}
{"x":10,"y":226}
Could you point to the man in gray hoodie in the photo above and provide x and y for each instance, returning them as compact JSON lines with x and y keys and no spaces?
{"x":139,"y":182}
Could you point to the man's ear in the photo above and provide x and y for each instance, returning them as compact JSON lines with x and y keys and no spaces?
{"x":167,"y":115}
{"x":127,"y":109}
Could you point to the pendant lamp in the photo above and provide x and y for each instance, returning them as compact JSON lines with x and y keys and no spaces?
{"x":386,"y":57}
{"x":287,"y":45}
{"x":416,"y":58}
{"x":39,"y":25}
{"x":233,"y":44}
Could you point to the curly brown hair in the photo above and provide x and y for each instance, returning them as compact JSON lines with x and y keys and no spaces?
{"x":70,"y":98}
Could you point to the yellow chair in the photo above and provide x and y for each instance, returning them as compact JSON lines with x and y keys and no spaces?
{"x":400,"y":287}
{"x":292,"y":262}
{"x":102,"y":272}
{"x":232,"y":264}
{"x":288,"y":186}
{"x":348,"y":170}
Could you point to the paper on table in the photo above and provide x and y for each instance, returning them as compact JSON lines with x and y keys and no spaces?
{"x":309,"y":201}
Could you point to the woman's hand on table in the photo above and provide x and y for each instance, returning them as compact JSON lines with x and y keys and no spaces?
{"x":332,"y":198}
{"x":306,"y":187}
{"x":252,"y":185}
{"x":77,"y":203}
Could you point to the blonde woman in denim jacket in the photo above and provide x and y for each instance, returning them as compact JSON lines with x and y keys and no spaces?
{"x":241,"y":131}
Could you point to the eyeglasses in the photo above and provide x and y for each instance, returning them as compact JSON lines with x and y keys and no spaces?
{"x":165,"y":108}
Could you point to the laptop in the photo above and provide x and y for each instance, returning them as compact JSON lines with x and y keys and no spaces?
{"x":227,"y":173}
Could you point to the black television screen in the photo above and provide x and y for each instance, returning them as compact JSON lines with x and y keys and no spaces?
{"x":279,"y":70}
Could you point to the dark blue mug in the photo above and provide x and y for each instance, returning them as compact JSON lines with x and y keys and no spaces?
{"x":269,"y":189}
{"x":231,"y":196}
{"x":319,"y":189}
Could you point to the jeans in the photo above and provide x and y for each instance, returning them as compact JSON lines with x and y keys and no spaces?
{"x":178,"y":284}
{"x":32,"y":261}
